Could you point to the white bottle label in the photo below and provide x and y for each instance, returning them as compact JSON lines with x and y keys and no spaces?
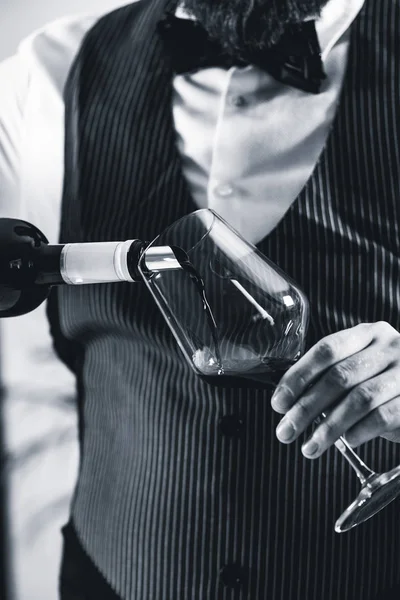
{"x":97,"y":262}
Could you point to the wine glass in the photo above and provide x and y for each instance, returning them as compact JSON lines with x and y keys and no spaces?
{"x":240,"y":321}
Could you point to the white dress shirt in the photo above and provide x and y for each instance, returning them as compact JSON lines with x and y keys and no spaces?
{"x":248,"y":143}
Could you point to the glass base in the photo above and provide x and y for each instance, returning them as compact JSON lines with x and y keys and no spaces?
{"x":376,"y":493}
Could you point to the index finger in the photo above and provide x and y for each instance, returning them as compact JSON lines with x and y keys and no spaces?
{"x":327,"y":352}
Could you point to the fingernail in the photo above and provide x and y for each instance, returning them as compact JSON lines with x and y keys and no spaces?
{"x":310,"y":448}
{"x":285,"y":431}
{"x":280,"y":397}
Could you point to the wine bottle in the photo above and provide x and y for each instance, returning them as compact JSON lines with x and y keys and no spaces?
{"x":30,"y":266}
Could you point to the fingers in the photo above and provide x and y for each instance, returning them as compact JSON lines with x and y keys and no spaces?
{"x":383,"y":421}
{"x":366,"y":412}
{"x":347,"y":383}
{"x":329,"y":351}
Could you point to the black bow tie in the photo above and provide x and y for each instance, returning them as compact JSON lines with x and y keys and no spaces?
{"x":295,"y":60}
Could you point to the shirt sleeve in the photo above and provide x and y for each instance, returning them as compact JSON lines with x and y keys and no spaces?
{"x":14,"y":85}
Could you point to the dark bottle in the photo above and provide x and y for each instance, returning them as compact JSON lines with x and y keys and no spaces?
{"x":29,"y":266}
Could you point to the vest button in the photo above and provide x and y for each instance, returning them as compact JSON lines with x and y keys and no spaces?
{"x":232,"y":576}
{"x":231,"y":426}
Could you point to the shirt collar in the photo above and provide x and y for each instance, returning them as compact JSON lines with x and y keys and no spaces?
{"x":336,"y":17}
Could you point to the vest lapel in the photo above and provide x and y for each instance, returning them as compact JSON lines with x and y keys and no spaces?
{"x":340,"y":238}
{"x":120,"y":137}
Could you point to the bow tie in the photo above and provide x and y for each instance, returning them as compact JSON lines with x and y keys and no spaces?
{"x":294,"y":60}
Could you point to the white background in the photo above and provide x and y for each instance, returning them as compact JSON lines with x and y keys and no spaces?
{"x":40,"y":418}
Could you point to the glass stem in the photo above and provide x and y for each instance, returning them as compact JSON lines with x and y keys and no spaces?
{"x":363,"y":472}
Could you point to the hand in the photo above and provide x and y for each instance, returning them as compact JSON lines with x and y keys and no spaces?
{"x":354,"y":377}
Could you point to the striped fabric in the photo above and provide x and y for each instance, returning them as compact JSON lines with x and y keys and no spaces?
{"x":179,"y":479}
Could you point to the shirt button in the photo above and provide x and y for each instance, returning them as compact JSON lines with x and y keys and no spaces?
{"x":232,"y":576}
{"x":238,"y":101}
{"x":224,"y":190}
{"x":231,"y":426}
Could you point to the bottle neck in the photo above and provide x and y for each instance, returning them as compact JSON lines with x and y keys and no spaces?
{"x":89,"y":262}
{"x":102,"y":262}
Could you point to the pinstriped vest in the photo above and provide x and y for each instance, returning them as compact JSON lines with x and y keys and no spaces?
{"x":166,"y":495}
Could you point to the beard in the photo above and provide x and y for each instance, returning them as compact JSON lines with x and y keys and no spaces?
{"x":240,"y":26}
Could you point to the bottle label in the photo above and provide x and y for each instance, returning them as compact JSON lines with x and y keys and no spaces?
{"x":95,"y":262}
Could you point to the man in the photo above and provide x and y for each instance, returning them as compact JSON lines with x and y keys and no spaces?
{"x":185,"y":490}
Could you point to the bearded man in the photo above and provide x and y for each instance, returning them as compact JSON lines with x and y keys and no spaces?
{"x":284,"y":117}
